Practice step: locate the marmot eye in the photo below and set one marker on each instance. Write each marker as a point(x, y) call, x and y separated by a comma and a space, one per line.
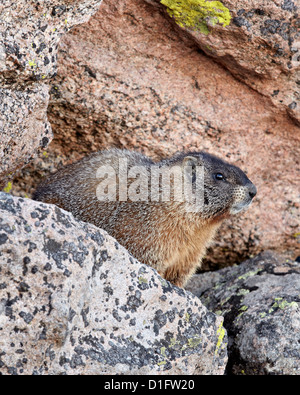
point(219, 176)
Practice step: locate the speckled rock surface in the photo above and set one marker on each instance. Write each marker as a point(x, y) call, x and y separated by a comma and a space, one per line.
point(260, 302)
point(29, 35)
point(132, 79)
point(73, 301)
point(24, 127)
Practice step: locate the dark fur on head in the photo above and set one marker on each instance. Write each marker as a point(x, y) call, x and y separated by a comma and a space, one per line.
point(227, 189)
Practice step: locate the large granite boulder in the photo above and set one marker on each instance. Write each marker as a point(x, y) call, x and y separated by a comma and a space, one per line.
point(73, 301)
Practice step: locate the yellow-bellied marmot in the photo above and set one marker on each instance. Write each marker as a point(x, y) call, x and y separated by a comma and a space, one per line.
point(164, 213)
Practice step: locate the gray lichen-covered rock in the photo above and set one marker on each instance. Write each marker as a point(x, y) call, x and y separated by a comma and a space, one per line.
point(260, 302)
point(30, 32)
point(29, 35)
point(73, 301)
point(24, 127)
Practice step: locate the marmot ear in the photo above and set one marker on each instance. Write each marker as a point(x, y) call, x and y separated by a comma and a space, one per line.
point(190, 162)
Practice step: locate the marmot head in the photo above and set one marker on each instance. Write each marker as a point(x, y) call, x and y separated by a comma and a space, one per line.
point(224, 187)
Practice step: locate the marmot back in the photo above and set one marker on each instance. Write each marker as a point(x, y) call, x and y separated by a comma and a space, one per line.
point(165, 213)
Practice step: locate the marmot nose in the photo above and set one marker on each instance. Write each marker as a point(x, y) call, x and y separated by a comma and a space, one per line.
point(252, 191)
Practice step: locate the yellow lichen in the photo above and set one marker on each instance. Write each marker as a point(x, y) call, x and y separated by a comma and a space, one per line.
point(8, 187)
point(282, 304)
point(174, 342)
point(221, 334)
point(143, 280)
point(187, 317)
point(163, 351)
point(193, 342)
point(32, 63)
point(197, 14)
point(249, 274)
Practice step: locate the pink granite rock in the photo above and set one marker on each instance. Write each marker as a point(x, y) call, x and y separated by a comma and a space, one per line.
point(260, 47)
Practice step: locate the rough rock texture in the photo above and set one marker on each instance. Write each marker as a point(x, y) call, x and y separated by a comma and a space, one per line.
point(29, 35)
point(73, 301)
point(24, 127)
point(132, 78)
point(260, 302)
point(266, 51)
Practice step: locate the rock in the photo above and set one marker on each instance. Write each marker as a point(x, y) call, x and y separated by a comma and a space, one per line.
point(73, 301)
point(29, 35)
point(24, 126)
point(132, 78)
point(266, 50)
point(260, 302)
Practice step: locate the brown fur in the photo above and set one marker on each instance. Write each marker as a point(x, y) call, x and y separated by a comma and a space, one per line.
point(162, 234)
